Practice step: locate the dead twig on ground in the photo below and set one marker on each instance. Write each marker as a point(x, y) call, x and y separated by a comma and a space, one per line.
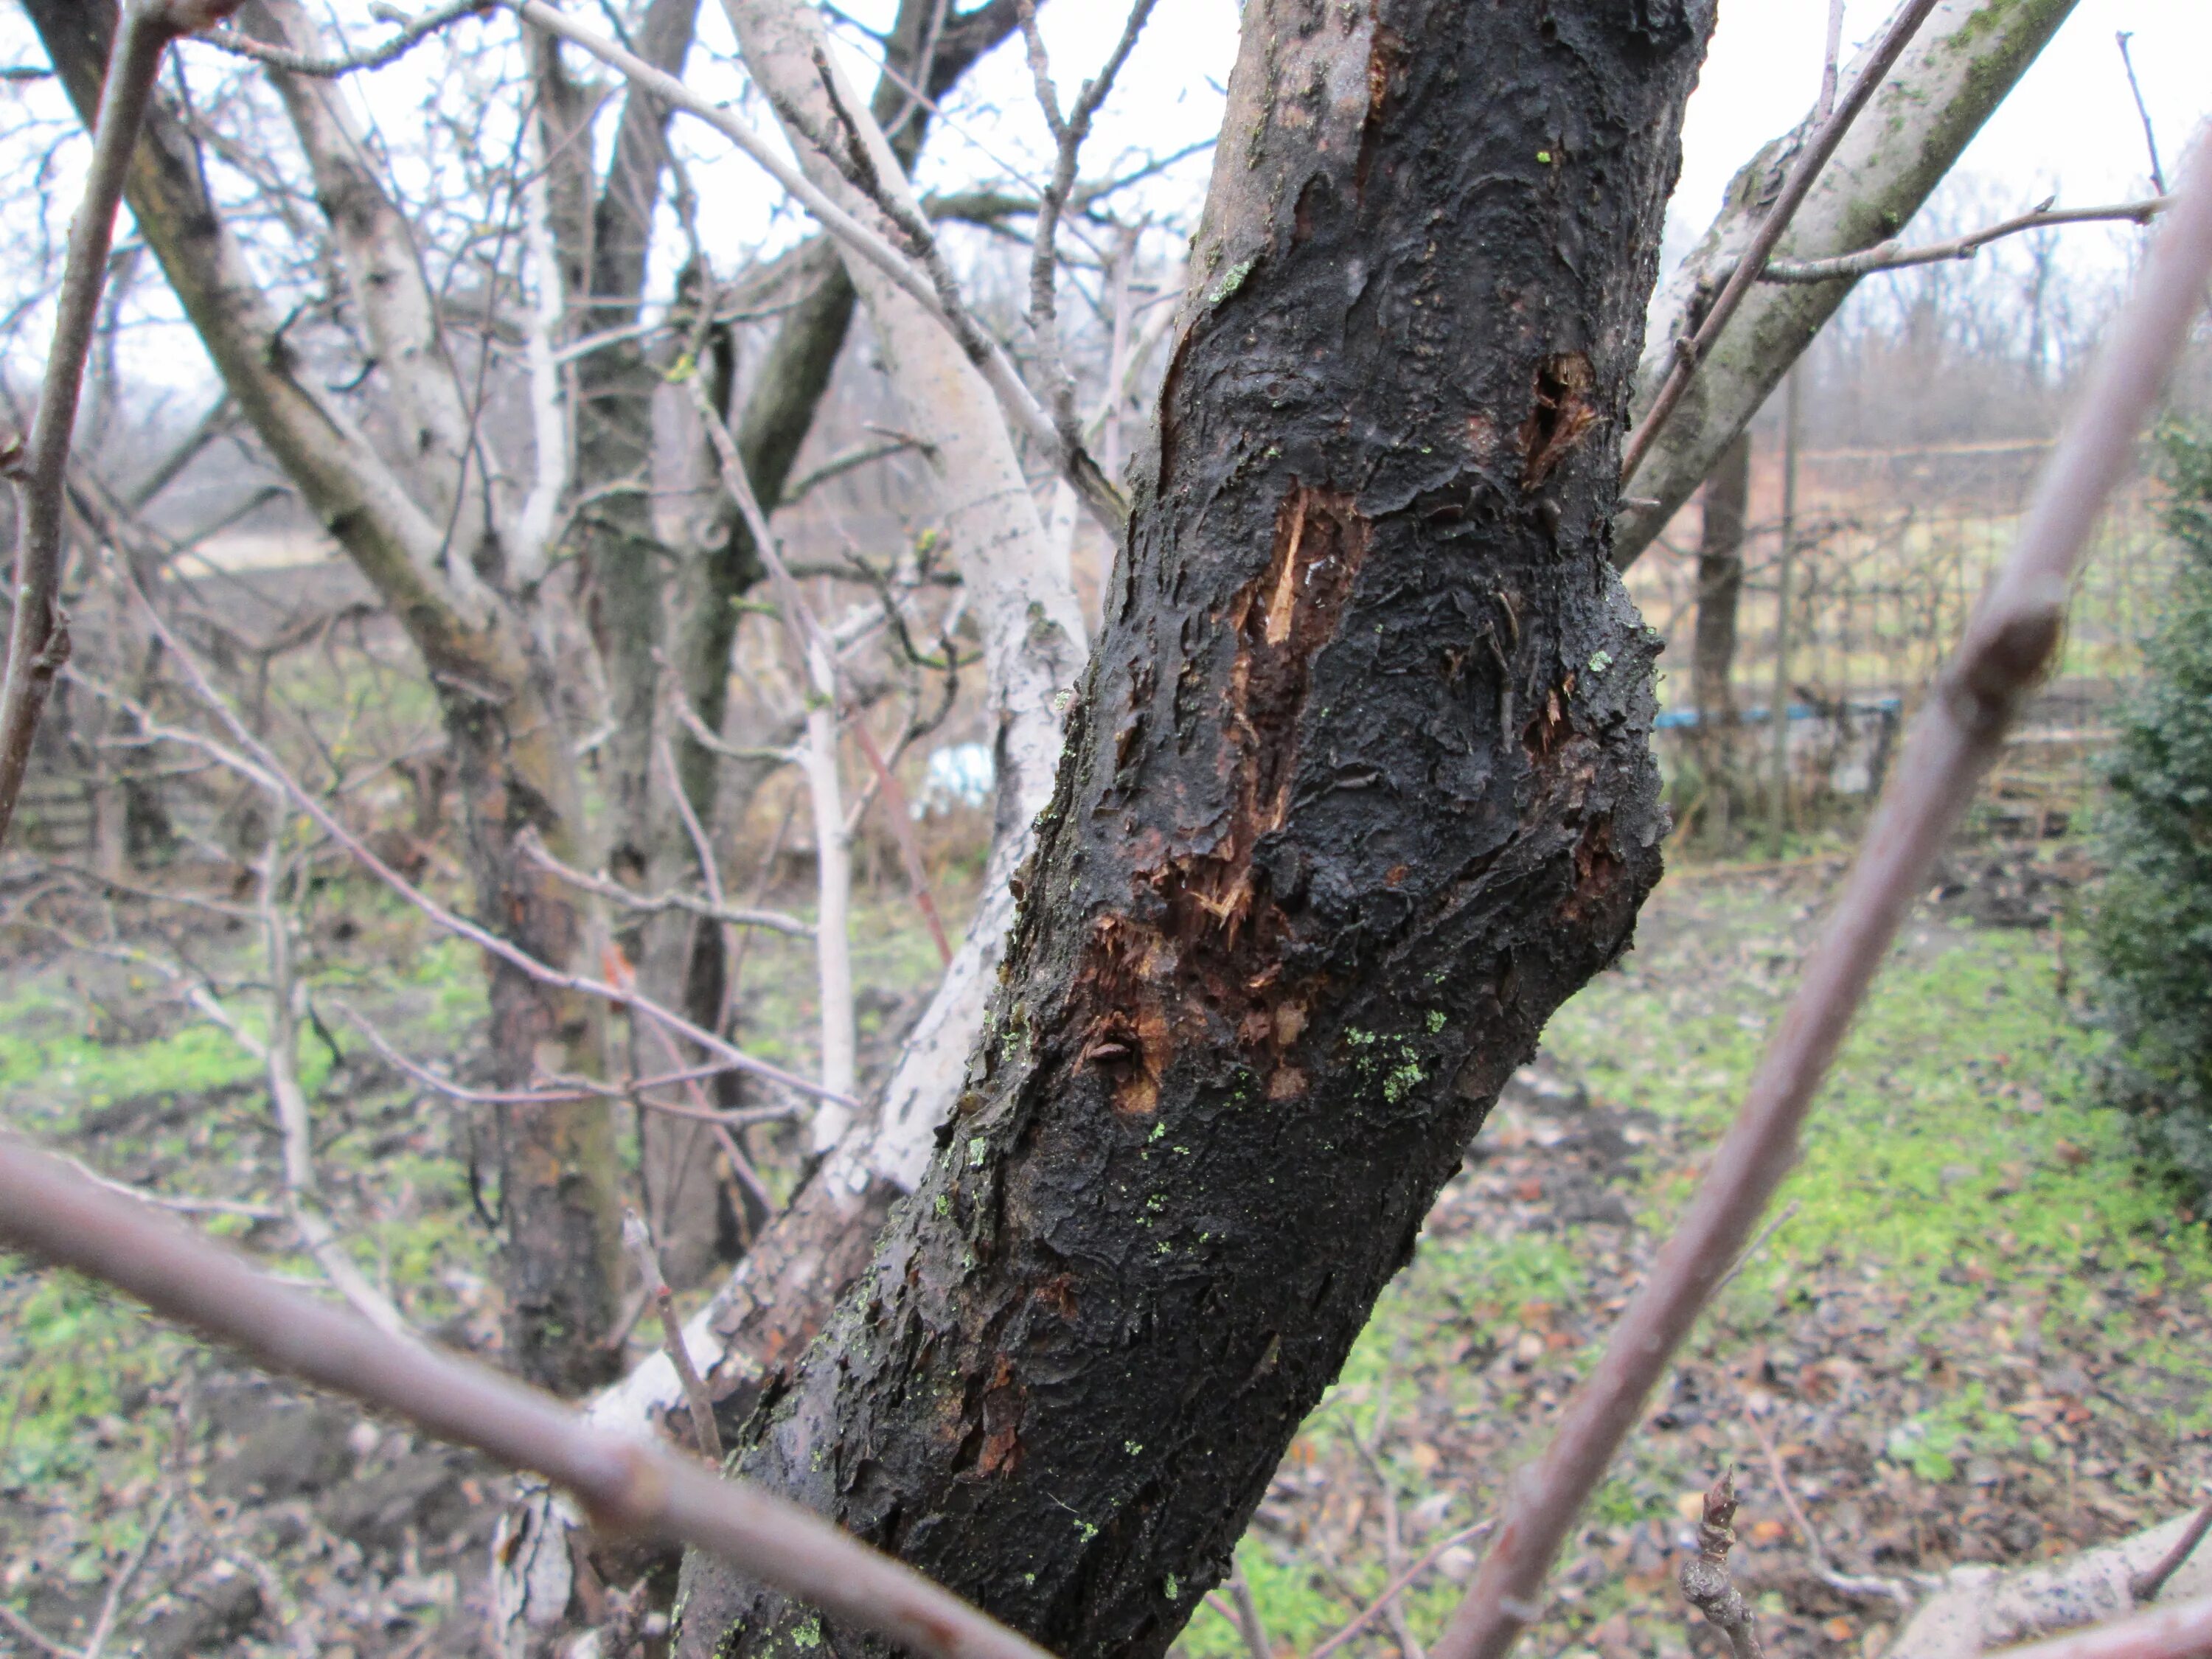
point(1858, 1585)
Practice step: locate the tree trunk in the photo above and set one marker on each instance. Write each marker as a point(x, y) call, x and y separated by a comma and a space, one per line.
point(1358, 789)
point(1966, 58)
point(555, 1164)
point(777, 415)
point(1712, 656)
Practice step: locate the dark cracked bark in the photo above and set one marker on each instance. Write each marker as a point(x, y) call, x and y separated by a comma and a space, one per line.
point(1358, 790)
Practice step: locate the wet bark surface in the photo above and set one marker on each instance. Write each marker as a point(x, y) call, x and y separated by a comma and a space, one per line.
point(1358, 789)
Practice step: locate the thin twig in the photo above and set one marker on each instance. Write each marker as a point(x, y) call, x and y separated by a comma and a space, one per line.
point(1826, 135)
point(181, 1206)
point(1068, 135)
point(2145, 1586)
point(1705, 1582)
point(569, 1089)
point(707, 908)
point(925, 278)
point(1773, 1225)
point(1421, 1564)
point(37, 640)
point(1894, 255)
point(1959, 730)
point(848, 461)
point(1370, 1448)
point(31, 1633)
point(373, 58)
point(637, 1239)
point(2143, 112)
point(1247, 1612)
point(111, 1605)
point(901, 826)
point(624, 1485)
point(1829, 58)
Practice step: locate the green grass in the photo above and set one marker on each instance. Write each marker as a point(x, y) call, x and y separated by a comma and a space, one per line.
point(1956, 1150)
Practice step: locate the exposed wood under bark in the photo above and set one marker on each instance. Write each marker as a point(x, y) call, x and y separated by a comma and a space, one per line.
point(1358, 789)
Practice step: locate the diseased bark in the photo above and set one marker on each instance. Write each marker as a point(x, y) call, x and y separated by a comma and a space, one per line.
point(1966, 58)
point(557, 1163)
point(1358, 789)
point(1712, 653)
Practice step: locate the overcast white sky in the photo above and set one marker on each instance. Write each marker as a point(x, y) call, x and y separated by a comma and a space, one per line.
point(2071, 127)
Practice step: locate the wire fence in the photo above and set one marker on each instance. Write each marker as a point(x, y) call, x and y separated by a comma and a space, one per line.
point(1890, 551)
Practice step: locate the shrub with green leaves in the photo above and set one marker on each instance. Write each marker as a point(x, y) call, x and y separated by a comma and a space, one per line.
point(2153, 926)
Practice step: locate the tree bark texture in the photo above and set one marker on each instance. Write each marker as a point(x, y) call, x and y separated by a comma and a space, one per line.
point(1965, 60)
point(1357, 788)
point(1720, 584)
point(1720, 592)
point(556, 1163)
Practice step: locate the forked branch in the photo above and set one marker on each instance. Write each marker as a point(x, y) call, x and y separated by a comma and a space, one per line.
point(2008, 643)
point(1068, 132)
point(1894, 255)
point(387, 51)
point(924, 278)
point(1826, 135)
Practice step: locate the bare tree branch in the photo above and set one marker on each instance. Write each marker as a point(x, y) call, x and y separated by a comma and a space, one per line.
point(637, 1239)
point(2181, 1633)
point(2142, 110)
point(47, 1209)
point(2145, 1586)
point(258, 762)
point(38, 642)
point(1068, 133)
point(707, 908)
point(372, 57)
point(1828, 59)
point(2006, 645)
point(1894, 255)
point(929, 283)
point(1705, 1582)
point(1826, 137)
